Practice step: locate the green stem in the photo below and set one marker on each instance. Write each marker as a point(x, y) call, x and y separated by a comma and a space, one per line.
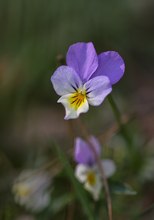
point(122, 127)
point(115, 109)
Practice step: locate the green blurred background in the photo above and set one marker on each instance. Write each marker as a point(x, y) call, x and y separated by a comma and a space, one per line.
point(33, 35)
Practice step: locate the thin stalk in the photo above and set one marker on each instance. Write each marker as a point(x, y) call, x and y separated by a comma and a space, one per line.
point(100, 166)
point(70, 210)
point(119, 120)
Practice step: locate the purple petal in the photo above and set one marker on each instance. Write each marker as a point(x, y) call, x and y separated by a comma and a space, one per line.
point(65, 80)
point(83, 59)
point(110, 64)
point(83, 152)
point(97, 89)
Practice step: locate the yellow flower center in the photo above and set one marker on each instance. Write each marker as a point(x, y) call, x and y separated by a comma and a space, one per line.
point(77, 99)
point(91, 178)
point(22, 190)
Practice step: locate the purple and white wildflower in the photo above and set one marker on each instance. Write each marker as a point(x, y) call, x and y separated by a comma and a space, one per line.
point(87, 78)
point(31, 190)
point(87, 171)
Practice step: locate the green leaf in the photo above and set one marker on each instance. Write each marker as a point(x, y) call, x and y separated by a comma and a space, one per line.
point(60, 202)
point(122, 188)
point(79, 190)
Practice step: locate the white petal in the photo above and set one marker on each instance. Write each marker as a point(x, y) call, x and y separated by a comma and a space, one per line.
point(109, 167)
point(38, 202)
point(81, 172)
point(94, 189)
point(83, 109)
point(71, 112)
point(31, 189)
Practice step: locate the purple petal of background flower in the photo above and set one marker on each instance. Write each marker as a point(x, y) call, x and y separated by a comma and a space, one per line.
point(97, 89)
point(65, 80)
point(83, 152)
point(110, 64)
point(83, 59)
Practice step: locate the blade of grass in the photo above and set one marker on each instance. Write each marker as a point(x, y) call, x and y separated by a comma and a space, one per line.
point(80, 193)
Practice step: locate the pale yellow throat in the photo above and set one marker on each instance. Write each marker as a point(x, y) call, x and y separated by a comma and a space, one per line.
point(91, 178)
point(22, 190)
point(77, 99)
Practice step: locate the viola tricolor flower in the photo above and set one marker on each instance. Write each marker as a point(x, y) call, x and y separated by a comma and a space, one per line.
point(87, 78)
point(31, 190)
point(87, 171)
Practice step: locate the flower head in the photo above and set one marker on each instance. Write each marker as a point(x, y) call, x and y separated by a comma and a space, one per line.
point(87, 78)
point(87, 171)
point(31, 190)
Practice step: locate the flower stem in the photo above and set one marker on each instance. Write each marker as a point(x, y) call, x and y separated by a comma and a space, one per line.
point(100, 166)
point(119, 120)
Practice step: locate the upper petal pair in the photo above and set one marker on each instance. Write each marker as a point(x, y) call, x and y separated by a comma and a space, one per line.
point(83, 152)
point(83, 59)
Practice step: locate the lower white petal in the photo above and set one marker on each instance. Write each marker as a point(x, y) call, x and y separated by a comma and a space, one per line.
point(81, 172)
point(94, 189)
point(71, 111)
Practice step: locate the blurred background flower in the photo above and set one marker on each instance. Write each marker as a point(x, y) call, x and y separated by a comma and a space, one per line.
point(31, 189)
point(87, 170)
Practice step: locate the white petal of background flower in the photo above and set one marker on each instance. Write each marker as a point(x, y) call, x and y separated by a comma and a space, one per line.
point(31, 190)
point(81, 172)
point(96, 188)
point(109, 167)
